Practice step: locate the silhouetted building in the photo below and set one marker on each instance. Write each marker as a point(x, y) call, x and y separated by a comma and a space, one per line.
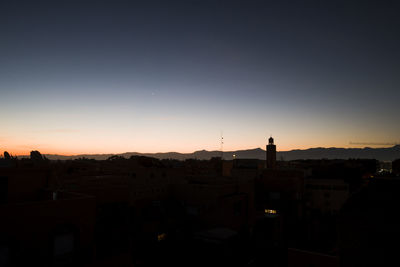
point(271, 154)
point(396, 167)
point(354, 172)
point(22, 184)
point(219, 202)
point(218, 246)
point(52, 229)
point(148, 212)
point(369, 230)
point(280, 189)
point(325, 195)
point(279, 194)
point(303, 258)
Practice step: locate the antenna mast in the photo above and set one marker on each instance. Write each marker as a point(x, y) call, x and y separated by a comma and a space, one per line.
point(222, 145)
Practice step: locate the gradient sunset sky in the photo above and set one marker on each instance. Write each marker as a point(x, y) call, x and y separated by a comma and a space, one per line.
point(156, 76)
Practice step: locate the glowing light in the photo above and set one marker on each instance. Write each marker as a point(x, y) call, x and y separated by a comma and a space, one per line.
point(269, 211)
point(161, 237)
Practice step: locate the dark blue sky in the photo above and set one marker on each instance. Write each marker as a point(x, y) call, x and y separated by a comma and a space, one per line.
point(170, 75)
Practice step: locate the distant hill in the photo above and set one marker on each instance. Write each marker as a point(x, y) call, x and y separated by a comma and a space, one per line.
point(384, 154)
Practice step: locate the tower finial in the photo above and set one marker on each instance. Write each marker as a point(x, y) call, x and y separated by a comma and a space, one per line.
point(271, 140)
point(222, 145)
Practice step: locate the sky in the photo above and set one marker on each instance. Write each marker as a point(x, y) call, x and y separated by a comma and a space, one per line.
point(157, 76)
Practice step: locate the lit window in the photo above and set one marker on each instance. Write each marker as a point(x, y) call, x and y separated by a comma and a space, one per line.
point(269, 211)
point(161, 237)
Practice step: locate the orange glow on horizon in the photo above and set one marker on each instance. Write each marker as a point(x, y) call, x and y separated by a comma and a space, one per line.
point(67, 144)
point(77, 151)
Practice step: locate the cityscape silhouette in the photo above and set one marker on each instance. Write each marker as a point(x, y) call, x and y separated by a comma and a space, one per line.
point(199, 133)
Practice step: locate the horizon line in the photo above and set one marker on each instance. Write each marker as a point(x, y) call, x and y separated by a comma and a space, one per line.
point(230, 151)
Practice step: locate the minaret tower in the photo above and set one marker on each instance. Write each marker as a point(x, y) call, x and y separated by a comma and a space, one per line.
point(271, 154)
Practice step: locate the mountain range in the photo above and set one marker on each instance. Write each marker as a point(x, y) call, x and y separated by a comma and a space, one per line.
point(383, 154)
